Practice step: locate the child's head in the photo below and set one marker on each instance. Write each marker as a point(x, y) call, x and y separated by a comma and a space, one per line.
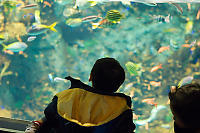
point(185, 105)
point(107, 75)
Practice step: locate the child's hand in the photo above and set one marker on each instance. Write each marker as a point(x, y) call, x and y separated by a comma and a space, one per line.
point(33, 127)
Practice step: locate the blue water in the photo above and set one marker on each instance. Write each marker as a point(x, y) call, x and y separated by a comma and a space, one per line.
point(25, 87)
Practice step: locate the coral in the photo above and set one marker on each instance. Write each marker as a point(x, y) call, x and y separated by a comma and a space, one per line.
point(6, 64)
point(5, 113)
point(15, 29)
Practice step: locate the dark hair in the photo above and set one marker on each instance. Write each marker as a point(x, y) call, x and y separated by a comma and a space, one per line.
point(107, 74)
point(185, 103)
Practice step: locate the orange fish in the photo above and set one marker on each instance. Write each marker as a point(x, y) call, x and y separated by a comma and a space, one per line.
point(190, 45)
point(149, 87)
point(192, 48)
point(131, 94)
point(98, 25)
point(150, 101)
point(162, 49)
point(155, 68)
point(21, 52)
point(154, 83)
point(186, 45)
point(198, 14)
point(103, 23)
point(8, 52)
point(46, 4)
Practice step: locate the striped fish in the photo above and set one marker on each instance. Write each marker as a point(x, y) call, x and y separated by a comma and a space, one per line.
point(133, 68)
point(114, 16)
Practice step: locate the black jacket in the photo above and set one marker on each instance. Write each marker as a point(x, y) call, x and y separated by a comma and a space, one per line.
point(81, 109)
point(177, 129)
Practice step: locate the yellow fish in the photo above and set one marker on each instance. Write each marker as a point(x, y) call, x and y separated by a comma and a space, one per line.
point(92, 3)
point(37, 16)
point(39, 1)
point(170, 30)
point(188, 27)
point(40, 28)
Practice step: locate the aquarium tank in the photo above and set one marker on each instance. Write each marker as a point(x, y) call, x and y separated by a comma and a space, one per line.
point(43, 41)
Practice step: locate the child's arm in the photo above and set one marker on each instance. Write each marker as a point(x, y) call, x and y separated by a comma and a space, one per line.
point(35, 125)
point(47, 122)
point(41, 121)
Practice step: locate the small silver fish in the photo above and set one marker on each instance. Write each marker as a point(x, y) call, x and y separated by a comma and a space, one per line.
point(31, 38)
point(50, 77)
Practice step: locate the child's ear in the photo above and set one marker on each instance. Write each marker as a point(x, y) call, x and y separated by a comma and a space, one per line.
point(90, 78)
point(173, 89)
